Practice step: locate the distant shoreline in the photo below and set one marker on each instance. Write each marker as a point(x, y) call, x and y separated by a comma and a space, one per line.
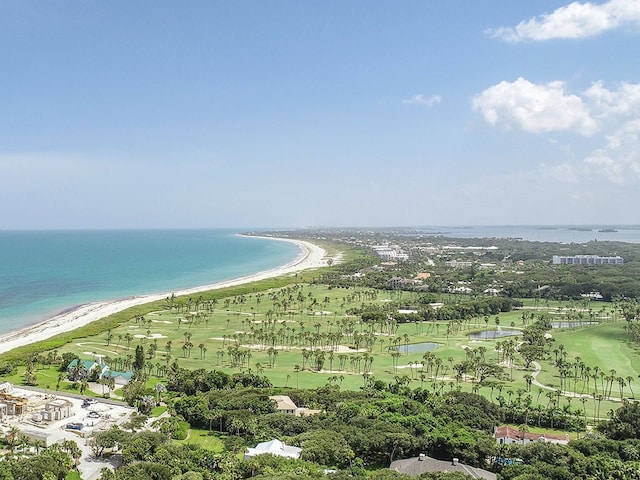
point(311, 256)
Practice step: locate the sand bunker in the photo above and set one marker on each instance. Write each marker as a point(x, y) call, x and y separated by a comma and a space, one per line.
point(152, 336)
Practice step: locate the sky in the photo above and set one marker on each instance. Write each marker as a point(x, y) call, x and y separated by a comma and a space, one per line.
point(336, 113)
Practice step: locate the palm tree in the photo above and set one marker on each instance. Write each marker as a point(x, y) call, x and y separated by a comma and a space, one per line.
point(12, 437)
point(159, 389)
point(296, 368)
point(524, 428)
point(621, 385)
point(73, 450)
point(61, 377)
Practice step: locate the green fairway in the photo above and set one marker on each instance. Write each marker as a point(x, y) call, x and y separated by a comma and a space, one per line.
point(306, 335)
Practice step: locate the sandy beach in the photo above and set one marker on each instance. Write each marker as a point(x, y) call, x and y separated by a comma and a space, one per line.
point(311, 256)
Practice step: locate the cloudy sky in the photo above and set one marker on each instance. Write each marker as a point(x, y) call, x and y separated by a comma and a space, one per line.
point(287, 113)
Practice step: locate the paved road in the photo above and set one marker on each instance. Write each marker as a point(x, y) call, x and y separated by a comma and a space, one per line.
point(565, 393)
point(110, 401)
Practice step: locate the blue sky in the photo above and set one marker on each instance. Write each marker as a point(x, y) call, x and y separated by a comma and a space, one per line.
point(146, 114)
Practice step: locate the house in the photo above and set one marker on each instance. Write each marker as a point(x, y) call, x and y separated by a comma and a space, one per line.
point(120, 378)
point(12, 404)
point(285, 405)
point(273, 447)
point(78, 369)
point(416, 466)
point(505, 434)
point(57, 410)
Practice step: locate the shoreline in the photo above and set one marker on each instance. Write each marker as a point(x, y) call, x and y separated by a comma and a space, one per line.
point(311, 256)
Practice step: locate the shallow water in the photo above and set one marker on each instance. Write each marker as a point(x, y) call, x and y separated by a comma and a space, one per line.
point(418, 347)
point(572, 324)
point(499, 333)
point(45, 273)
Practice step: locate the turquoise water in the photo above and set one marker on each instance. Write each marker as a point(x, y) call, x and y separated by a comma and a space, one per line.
point(45, 273)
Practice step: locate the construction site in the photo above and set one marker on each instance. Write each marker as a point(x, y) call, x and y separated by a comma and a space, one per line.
point(49, 418)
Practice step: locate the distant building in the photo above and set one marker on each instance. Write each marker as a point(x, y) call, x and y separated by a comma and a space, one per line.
point(492, 291)
point(592, 296)
point(388, 253)
point(586, 260)
point(457, 264)
point(464, 290)
point(273, 447)
point(416, 466)
point(506, 435)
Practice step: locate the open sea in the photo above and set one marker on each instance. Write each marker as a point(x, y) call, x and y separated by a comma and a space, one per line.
point(43, 273)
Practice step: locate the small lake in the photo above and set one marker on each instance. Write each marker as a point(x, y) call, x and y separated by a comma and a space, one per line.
point(572, 324)
point(418, 347)
point(490, 334)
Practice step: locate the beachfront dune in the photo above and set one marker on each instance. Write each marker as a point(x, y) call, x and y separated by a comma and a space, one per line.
point(311, 256)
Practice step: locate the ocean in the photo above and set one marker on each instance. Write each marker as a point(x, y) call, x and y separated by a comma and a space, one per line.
point(43, 273)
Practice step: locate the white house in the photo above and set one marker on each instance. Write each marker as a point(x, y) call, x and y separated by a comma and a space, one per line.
point(273, 447)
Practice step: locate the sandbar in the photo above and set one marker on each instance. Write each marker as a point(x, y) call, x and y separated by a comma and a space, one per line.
point(311, 256)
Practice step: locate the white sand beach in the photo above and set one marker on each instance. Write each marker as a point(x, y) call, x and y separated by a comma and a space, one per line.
point(311, 256)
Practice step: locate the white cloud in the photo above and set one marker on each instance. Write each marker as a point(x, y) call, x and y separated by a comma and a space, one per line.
point(563, 173)
point(534, 108)
point(623, 101)
point(612, 113)
point(423, 101)
point(619, 159)
point(576, 20)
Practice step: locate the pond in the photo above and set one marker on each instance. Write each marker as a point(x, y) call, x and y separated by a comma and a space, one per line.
point(418, 347)
point(572, 324)
point(490, 334)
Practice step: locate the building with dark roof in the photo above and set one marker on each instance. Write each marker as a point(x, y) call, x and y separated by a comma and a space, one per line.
point(422, 464)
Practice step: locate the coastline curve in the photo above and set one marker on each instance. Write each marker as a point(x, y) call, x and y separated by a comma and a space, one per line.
point(311, 256)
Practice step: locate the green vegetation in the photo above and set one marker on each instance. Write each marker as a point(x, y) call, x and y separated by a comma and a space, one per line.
point(205, 439)
point(398, 367)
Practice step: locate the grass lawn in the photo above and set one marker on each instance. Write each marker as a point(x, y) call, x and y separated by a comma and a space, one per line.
point(280, 332)
point(157, 411)
point(205, 439)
